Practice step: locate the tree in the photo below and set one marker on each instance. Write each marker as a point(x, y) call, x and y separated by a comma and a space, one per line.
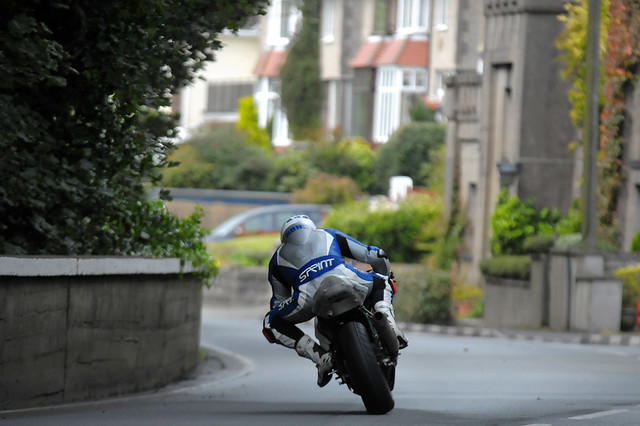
point(248, 123)
point(81, 84)
point(352, 158)
point(409, 152)
point(301, 91)
point(219, 157)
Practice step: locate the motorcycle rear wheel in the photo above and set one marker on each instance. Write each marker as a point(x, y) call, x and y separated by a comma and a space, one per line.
point(368, 379)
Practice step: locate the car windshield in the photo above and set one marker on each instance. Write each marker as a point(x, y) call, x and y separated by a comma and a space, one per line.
point(264, 220)
point(228, 226)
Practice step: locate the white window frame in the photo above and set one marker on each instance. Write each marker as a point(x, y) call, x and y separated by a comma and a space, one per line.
point(417, 78)
point(413, 16)
point(391, 83)
point(274, 22)
point(386, 117)
point(332, 99)
point(441, 15)
point(327, 23)
point(268, 104)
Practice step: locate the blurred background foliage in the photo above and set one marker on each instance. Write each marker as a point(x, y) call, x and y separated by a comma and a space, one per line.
point(224, 156)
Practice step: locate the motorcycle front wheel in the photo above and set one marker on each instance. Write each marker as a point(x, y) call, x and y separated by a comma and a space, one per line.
point(368, 379)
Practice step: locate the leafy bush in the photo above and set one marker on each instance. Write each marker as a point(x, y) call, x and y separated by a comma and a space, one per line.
point(422, 113)
point(230, 162)
point(630, 285)
point(572, 222)
point(568, 241)
point(464, 291)
point(248, 123)
point(516, 267)
point(635, 243)
point(80, 89)
point(151, 230)
point(424, 295)
point(407, 233)
point(327, 189)
point(187, 170)
point(514, 221)
point(408, 153)
point(290, 171)
point(346, 157)
point(539, 243)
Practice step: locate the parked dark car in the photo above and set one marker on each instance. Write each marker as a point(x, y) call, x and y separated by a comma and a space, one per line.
point(265, 220)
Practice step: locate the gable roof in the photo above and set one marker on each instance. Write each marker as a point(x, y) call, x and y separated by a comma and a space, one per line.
point(401, 52)
point(270, 62)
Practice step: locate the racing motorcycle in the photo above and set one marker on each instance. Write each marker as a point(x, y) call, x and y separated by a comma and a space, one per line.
point(365, 349)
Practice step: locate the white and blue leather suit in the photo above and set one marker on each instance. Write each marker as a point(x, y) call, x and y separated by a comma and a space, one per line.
point(306, 256)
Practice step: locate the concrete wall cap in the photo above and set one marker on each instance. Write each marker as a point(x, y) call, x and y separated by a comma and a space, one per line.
point(49, 266)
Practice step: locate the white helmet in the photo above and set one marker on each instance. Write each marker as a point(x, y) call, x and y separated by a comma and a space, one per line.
point(296, 229)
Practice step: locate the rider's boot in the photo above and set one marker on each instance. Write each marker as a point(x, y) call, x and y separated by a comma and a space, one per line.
point(308, 348)
point(387, 308)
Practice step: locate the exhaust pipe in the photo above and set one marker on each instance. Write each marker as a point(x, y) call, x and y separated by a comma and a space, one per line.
point(386, 333)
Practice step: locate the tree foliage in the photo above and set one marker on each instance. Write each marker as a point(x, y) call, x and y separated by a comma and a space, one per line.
point(219, 157)
point(515, 220)
point(409, 152)
point(351, 157)
point(408, 233)
point(301, 91)
point(572, 43)
point(620, 65)
point(327, 189)
point(248, 123)
point(81, 84)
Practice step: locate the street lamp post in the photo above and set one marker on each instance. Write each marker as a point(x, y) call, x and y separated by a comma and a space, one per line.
point(589, 209)
point(508, 172)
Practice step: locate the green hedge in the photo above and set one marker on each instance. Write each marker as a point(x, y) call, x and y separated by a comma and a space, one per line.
point(424, 295)
point(539, 243)
point(516, 267)
point(408, 233)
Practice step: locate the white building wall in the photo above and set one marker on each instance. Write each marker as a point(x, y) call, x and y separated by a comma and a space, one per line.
point(234, 62)
point(442, 46)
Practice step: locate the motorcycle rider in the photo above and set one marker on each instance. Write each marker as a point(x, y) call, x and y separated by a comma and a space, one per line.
point(305, 257)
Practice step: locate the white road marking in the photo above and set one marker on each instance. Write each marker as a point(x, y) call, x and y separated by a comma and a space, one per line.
point(598, 414)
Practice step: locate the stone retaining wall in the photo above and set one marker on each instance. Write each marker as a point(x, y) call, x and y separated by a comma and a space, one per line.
point(74, 329)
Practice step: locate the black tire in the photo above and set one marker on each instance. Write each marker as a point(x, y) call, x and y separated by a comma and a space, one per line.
point(367, 378)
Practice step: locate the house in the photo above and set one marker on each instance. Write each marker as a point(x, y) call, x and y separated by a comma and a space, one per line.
point(509, 127)
point(489, 66)
point(378, 59)
point(214, 97)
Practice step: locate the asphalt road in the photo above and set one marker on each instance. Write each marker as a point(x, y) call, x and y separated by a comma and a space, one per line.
point(442, 380)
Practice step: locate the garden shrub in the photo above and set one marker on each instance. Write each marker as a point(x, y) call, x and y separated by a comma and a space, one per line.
point(635, 243)
point(422, 113)
point(516, 267)
point(248, 123)
point(424, 295)
point(290, 171)
point(232, 162)
point(514, 221)
point(630, 276)
point(352, 157)
point(407, 233)
point(568, 241)
point(327, 189)
point(539, 243)
point(409, 152)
